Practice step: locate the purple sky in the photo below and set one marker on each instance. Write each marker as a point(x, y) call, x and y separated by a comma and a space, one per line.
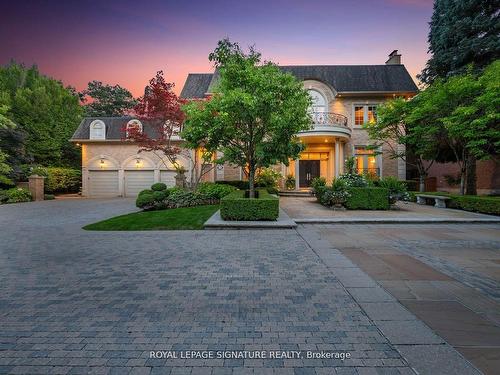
point(125, 42)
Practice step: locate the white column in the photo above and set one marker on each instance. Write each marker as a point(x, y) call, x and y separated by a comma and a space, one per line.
point(342, 157)
point(121, 182)
point(157, 175)
point(337, 159)
point(331, 166)
point(297, 187)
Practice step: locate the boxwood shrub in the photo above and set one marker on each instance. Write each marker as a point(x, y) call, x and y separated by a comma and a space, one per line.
point(367, 198)
point(235, 207)
point(485, 205)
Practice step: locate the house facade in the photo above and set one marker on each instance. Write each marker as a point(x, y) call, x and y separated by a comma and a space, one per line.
point(344, 97)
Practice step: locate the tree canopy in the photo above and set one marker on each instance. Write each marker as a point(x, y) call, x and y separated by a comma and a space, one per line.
point(46, 114)
point(461, 114)
point(254, 112)
point(107, 100)
point(462, 32)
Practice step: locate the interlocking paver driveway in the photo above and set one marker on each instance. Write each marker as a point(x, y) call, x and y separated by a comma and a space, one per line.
point(76, 302)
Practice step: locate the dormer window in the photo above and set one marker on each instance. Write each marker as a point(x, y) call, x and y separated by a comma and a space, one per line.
point(97, 130)
point(134, 126)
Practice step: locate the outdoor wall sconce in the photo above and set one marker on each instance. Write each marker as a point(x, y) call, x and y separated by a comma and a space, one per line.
point(137, 163)
point(102, 163)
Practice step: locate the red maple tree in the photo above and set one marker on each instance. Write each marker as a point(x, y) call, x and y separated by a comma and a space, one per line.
point(160, 110)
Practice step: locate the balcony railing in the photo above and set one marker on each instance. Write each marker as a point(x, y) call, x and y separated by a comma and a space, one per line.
point(328, 118)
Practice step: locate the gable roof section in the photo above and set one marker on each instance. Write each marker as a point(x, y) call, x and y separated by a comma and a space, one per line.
point(114, 126)
point(340, 78)
point(196, 85)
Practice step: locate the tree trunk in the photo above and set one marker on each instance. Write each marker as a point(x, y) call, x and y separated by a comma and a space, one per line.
point(421, 187)
point(251, 182)
point(471, 176)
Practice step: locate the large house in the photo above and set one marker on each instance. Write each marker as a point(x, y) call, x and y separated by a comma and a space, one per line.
point(344, 97)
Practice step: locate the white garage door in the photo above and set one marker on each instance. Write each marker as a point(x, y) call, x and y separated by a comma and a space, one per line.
point(103, 184)
point(168, 178)
point(135, 181)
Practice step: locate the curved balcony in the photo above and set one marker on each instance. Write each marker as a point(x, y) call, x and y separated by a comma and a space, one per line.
point(328, 124)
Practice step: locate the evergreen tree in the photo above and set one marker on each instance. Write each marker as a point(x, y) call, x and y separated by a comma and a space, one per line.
point(107, 100)
point(462, 32)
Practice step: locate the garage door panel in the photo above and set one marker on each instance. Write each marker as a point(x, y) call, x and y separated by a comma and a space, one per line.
point(103, 184)
point(168, 178)
point(135, 181)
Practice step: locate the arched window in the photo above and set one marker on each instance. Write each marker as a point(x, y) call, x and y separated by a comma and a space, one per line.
point(97, 130)
point(134, 125)
point(318, 101)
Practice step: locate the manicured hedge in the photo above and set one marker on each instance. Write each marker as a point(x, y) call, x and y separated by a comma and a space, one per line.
point(485, 205)
point(235, 207)
point(368, 198)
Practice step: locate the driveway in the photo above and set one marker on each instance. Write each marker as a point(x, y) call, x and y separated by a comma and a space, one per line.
point(73, 301)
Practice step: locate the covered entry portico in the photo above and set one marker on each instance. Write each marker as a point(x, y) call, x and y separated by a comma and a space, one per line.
point(323, 156)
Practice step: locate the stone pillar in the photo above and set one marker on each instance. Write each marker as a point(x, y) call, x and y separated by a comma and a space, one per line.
point(337, 159)
point(36, 185)
point(297, 186)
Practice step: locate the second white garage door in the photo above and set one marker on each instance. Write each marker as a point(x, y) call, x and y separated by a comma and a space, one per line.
point(135, 181)
point(103, 184)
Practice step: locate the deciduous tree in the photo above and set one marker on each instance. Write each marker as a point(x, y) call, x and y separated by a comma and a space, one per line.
point(253, 115)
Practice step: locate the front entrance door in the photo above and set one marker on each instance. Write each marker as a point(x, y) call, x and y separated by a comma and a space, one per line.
point(308, 169)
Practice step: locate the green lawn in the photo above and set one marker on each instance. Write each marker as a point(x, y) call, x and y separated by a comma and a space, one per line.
point(173, 219)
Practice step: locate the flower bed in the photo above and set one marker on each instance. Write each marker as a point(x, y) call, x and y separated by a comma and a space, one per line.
point(236, 207)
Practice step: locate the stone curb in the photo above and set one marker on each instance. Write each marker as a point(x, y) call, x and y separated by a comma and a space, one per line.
point(284, 222)
point(395, 221)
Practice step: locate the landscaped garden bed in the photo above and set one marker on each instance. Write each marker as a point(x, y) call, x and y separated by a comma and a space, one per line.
point(353, 191)
point(236, 207)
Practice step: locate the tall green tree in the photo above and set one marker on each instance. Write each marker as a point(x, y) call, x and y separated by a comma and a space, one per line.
point(398, 123)
point(5, 125)
point(253, 115)
point(107, 100)
point(45, 111)
point(462, 32)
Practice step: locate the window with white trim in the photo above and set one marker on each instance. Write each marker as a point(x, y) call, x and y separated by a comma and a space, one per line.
point(365, 114)
point(97, 130)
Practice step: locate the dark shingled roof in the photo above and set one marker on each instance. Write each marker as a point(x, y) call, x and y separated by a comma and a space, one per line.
point(114, 126)
point(356, 78)
point(340, 78)
point(196, 85)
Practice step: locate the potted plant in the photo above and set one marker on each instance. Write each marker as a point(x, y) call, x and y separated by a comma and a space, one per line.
point(290, 182)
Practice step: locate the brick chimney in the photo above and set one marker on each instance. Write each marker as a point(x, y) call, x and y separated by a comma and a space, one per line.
point(394, 58)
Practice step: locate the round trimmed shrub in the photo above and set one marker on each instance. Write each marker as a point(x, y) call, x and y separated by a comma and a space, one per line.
point(159, 195)
point(147, 191)
point(159, 186)
point(145, 201)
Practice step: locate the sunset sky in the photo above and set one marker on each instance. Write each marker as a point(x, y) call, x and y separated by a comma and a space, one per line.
point(125, 42)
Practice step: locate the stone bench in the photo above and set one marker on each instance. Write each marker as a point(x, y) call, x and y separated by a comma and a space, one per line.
point(439, 200)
